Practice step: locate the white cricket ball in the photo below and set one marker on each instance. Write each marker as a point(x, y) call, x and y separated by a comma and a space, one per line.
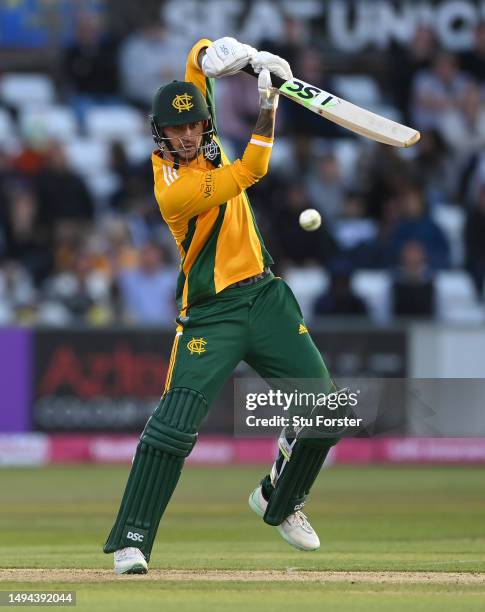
point(310, 220)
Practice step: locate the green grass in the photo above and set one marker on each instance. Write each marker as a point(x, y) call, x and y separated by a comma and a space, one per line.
point(374, 519)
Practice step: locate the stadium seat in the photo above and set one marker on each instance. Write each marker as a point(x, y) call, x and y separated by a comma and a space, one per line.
point(282, 156)
point(57, 122)
point(139, 149)
point(374, 287)
point(307, 284)
point(24, 90)
point(87, 156)
point(451, 220)
point(386, 110)
point(111, 123)
point(456, 297)
point(7, 126)
point(7, 314)
point(359, 89)
point(102, 185)
point(347, 152)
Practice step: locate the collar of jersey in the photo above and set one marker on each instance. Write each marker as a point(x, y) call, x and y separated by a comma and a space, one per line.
point(199, 162)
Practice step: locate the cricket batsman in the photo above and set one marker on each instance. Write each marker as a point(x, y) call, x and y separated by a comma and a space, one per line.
point(232, 307)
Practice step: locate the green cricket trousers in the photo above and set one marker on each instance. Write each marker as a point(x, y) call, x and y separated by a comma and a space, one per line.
point(261, 324)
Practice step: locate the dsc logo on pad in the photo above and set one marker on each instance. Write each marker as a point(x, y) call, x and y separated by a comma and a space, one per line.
point(136, 537)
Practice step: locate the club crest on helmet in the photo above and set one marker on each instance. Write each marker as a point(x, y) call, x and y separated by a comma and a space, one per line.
point(182, 102)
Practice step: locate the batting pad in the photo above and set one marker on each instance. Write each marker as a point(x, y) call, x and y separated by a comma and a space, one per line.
point(293, 474)
point(167, 439)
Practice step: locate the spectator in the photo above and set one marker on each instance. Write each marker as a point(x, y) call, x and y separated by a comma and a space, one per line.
point(130, 178)
point(82, 290)
point(377, 254)
point(148, 58)
point(291, 43)
point(29, 160)
point(62, 194)
point(300, 122)
point(463, 127)
point(68, 239)
point(295, 245)
point(326, 188)
point(239, 108)
point(147, 292)
point(120, 252)
point(352, 229)
point(381, 174)
point(405, 62)
point(339, 299)
point(475, 242)
point(413, 292)
point(435, 91)
point(91, 65)
point(26, 241)
point(435, 169)
point(17, 293)
point(416, 225)
point(473, 61)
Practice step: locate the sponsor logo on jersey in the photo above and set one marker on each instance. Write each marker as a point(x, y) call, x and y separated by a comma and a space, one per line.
point(208, 184)
point(302, 329)
point(182, 102)
point(197, 346)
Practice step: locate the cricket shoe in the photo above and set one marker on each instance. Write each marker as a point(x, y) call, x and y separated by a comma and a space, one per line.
point(295, 529)
point(130, 561)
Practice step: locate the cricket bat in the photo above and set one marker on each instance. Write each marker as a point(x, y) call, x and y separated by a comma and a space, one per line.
point(344, 113)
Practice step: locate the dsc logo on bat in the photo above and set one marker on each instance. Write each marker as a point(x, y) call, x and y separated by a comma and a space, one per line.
point(307, 92)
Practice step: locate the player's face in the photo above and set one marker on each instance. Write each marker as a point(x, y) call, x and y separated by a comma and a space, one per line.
point(186, 138)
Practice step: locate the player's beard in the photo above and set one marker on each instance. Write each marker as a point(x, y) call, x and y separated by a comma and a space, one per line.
point(186, 152)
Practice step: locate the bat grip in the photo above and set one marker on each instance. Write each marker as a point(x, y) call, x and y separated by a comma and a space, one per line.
point(275, 80)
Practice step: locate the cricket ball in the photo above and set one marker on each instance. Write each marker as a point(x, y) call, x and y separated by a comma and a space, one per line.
point(310, 220)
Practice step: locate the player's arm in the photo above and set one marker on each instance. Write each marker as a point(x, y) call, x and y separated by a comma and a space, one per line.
point(196, 192)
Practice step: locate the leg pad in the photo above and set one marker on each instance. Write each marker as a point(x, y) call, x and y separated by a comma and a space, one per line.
point(293, 474)
point(167, 439)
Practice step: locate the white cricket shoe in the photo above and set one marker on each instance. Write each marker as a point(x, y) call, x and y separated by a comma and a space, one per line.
point(130, 561)
point(295, 529)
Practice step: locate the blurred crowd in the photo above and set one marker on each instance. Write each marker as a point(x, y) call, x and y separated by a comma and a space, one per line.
point(71, 253)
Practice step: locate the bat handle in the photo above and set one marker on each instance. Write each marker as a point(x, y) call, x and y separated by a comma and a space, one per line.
point(275, 80)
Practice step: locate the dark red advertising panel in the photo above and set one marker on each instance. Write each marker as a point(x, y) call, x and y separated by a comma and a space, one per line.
point(111, 380)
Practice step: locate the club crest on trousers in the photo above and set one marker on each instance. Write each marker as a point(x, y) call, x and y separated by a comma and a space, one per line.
point(197, 346)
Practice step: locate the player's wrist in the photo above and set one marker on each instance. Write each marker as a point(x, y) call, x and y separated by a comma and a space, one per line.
point(268, 102)
point(265, 123)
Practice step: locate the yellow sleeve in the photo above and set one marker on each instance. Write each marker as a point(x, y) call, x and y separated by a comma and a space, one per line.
point(193, 72)
point(197, 191)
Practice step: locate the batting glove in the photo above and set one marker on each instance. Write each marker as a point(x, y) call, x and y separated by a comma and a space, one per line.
point(274, 63)
point(268, 95)
point(226, 56)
